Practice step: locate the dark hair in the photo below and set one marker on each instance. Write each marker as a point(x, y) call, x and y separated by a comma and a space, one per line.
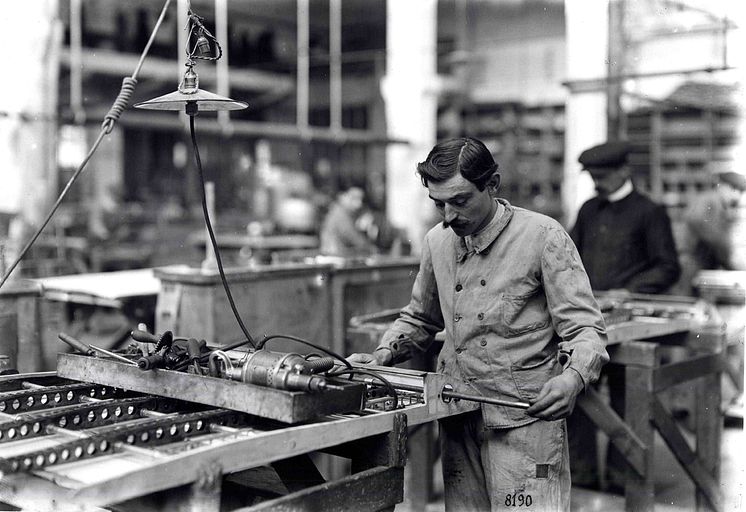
point(466, 155)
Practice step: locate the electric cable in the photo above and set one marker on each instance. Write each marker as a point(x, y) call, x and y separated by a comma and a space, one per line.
point(306, 342)
point(370, 373)
point(120, 103)
point(214, 242)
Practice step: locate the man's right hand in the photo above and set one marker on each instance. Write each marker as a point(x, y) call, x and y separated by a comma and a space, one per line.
point(377, 358)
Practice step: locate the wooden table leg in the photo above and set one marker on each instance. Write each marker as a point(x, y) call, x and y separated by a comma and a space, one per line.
point(709, 425)
point(639, 492)
point(418, 474)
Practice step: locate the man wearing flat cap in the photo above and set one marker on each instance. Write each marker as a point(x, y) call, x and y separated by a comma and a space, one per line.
point(626, 244)
point(623, 237)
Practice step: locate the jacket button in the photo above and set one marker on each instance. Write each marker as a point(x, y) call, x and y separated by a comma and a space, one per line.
point(459, 287)
point(480, 316)
point(483, 342)
point(483, 282)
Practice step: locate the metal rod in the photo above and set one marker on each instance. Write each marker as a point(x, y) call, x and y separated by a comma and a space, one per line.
point(483, 399)
point(148, 413)
point(124, 447)
point(214, 427)
point(31, 385)
point(78, 434)
point(112, 354)
point(91, 400)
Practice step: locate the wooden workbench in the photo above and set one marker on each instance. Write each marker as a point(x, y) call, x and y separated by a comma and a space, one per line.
point(314, 301)
point(654, 326)
point(69, 302)
point(701, 336)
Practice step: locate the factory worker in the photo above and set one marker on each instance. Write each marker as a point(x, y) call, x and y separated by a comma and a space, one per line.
point(623, 237)
point(626, 244)
point(339, 236)
point(715, 225)
point(509, 289)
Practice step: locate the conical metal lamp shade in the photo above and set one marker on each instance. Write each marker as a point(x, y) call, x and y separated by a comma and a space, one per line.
point(205, 102)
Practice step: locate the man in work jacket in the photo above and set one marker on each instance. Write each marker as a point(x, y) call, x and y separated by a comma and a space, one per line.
point(508, 287)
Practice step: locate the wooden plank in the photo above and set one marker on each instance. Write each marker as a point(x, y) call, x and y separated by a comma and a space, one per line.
point(371, 490)
point(635, 353)
point(387, 449)
point(620, 434)
point(29, 336)
point(639, 491)
point(418, 473)
point(286, 406)
point(708, 428)
point(695, 469)
point(675, 373)
point(646, 327)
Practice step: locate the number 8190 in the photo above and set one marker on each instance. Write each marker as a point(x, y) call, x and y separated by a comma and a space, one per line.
point(518, 500)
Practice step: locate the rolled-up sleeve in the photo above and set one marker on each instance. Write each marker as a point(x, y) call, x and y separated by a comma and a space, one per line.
point(575, 314)
point(420, 320)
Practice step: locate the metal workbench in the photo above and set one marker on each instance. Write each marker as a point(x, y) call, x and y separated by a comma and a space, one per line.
point(68, 445)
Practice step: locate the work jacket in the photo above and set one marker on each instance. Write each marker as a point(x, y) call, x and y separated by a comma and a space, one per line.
point(627, 244)
point(508, 307)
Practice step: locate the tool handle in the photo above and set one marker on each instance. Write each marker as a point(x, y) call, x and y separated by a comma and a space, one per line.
point(449, 395)
point(76, 344)
point(150, 362)
point(143, 336)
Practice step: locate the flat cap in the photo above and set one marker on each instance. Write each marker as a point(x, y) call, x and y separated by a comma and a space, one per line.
point(609, 154)
point(734, 179)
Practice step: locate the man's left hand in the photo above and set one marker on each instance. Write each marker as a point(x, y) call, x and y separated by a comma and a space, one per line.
point(556, 399)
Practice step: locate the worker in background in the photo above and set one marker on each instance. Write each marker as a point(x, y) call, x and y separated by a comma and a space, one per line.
point(624, 238)
point(339, 235)
point(714, 225)
point(521, 324)
point(715, 239)
point(626, 244)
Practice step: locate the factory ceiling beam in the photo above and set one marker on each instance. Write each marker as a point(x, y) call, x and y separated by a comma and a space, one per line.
point(599, 84)
point(262, 129)
point(113, 63)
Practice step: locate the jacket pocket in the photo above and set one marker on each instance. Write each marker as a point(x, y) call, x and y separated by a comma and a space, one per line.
point(529, 379)
point(522, 314)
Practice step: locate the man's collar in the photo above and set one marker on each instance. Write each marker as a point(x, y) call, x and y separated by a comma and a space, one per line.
point(621, 192)
point(479, 242)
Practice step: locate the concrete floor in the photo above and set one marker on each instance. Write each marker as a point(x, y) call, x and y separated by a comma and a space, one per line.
point(673, 490)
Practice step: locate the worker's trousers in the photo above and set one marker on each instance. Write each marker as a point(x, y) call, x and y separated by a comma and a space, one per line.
point(504, 469)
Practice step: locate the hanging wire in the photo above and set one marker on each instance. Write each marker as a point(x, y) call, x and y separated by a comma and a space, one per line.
point(214, 242)
point(120, 103)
